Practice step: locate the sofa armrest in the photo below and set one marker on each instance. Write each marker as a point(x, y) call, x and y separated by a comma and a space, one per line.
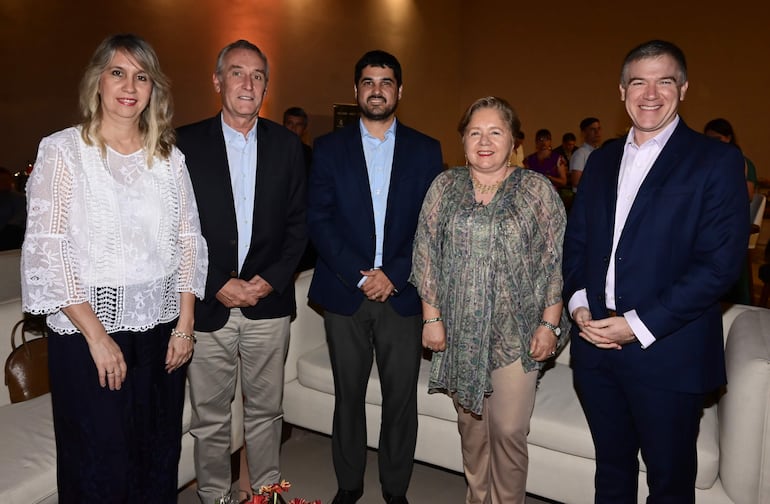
point(744, 411)
point(307, 329)
point(731, 312)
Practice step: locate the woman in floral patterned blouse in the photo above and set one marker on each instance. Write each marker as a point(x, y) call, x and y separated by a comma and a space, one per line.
point(487, 265)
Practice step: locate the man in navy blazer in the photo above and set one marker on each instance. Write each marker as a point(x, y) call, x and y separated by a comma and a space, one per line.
point(657, 234)
point(249, 178)
point(366, 189)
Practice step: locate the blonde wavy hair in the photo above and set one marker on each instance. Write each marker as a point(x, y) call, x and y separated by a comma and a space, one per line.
point(158, 135)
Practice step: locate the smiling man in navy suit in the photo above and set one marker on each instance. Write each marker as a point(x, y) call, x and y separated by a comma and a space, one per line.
point(365, 193)
point(657, 234)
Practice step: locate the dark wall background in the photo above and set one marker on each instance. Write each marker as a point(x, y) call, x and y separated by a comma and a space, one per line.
point(556, 62)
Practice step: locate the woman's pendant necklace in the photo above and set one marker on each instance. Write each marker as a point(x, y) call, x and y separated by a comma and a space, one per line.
point(485, 188)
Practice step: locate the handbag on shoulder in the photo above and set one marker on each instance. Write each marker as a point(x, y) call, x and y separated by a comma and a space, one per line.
point(26, 369)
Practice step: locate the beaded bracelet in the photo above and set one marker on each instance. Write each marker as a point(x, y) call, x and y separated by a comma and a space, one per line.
point(180, 334)
point(431, 320)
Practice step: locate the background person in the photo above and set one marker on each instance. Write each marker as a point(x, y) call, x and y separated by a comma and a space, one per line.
point(591, 130)
point(114, 255)
point(656, 236)
point(567, 147)
point(249, 179)
point(487, 265)
point(296, 120)
point(722, 130)
point(547, 162)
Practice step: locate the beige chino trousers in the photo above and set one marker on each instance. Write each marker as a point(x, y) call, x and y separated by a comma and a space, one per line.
point(494, 445)
point(259, 347)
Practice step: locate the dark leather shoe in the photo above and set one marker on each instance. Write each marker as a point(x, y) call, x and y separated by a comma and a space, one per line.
point(395, 499)
point(347, 496)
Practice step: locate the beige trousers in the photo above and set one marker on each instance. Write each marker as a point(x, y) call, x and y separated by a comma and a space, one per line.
point(259, 347)
point(494, 445)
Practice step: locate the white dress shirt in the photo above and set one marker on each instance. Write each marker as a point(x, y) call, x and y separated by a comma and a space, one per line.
point(379, 165)
point(242, 160)
point(634, 167)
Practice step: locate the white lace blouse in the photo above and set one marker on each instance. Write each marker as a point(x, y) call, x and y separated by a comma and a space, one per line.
point(111, 232)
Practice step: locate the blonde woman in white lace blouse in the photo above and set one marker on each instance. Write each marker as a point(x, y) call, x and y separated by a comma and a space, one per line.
point(113, 254)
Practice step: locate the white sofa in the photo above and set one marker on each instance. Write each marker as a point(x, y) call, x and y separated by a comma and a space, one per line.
point(27, 445)
point(733, 446)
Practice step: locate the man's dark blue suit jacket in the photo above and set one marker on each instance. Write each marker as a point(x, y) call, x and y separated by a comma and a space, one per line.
point(682, 247)
point(341, 217)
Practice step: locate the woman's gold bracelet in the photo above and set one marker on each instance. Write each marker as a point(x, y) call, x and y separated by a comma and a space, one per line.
point(183, 335)
point(431, 320)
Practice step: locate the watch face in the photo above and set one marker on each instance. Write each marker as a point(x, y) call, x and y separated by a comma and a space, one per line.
point(556, 329)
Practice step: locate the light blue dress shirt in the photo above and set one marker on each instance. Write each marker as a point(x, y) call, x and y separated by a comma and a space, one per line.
point(242, 159)
point(379, 165)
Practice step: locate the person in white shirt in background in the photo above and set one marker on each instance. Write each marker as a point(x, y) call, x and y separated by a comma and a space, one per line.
point(591, 129)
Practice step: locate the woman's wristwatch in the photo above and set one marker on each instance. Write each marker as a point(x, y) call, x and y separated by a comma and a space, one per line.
point(556, 330)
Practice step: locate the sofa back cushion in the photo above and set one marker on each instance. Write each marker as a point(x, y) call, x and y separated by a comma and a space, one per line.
point(744, 411)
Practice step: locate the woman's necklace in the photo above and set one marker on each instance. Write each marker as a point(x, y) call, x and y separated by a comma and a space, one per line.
point(487, 188)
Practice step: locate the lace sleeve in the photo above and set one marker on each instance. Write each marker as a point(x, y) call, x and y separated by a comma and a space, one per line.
point(193, 265)
point(425, 256)
point(49, 262)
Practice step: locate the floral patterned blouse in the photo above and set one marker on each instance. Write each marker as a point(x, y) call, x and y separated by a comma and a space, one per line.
point(111, 231)
point(491, 270)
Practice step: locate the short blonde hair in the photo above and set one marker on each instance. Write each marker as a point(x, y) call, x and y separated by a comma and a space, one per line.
point(155, 120)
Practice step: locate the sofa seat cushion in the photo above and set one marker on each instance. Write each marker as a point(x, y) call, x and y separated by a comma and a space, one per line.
point(314, 371)
point(558, 423)
point(28, 453)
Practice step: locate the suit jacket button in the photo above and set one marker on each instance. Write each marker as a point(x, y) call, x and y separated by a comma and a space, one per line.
point(233, 274)
point(605, 259)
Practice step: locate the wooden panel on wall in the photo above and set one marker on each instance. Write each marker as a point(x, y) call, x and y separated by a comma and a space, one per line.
point(556, 62)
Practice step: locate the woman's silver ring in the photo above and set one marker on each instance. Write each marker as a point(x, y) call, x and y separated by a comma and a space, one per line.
point(553, 353)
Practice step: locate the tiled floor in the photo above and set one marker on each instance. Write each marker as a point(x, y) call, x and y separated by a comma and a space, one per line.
point(306, 462)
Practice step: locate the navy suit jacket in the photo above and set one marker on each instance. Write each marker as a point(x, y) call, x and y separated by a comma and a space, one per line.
point(341, 216)
point(278, 234)
point(682, 247)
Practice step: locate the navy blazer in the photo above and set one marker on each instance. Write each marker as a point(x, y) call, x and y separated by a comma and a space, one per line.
point(341, 216)
point(279, 232)
point(683, 246)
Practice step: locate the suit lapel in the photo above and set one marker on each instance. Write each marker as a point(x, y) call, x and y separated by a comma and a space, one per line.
point(610, 197)
point(398, 169)
point(358, 173)
point(659, 173)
